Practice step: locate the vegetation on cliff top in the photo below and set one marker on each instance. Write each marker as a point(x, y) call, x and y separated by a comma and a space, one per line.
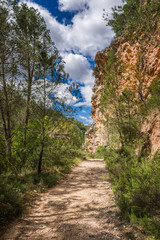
point(134, 19)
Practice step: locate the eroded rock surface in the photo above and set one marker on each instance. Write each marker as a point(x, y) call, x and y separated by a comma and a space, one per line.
point(140, 66)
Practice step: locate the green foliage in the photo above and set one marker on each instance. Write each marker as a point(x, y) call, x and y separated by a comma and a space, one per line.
point(81, 126)
point(125, 118)
point(39, 142)
point(134, 173)
point(60, 155)
point(153, 101)
point(3, 163)
point(11, 200)
point(135, 179)
point(128, 117)
point(123, 16)
point(136, 186)
point(100, 151)
point(110, 81)
point(14, 191)
point(96, 71)
point(134, 18)
point(88, 155)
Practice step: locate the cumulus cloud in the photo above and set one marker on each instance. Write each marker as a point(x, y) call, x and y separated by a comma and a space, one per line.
point(80, 71)
point(78, 68)
point(81, 39)
point(88, 32)
point(63, 94)
point(87, 94)
point(73, 5)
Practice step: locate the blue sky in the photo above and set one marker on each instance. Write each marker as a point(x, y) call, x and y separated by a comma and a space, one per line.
point(79, 32)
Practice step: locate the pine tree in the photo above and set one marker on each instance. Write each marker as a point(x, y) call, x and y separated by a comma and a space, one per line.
point(30, 29)
point(7, 71)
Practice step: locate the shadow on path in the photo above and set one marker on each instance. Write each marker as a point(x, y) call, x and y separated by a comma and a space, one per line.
point(81, 207)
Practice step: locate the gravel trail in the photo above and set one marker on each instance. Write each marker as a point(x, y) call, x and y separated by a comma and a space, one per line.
point(80, 207)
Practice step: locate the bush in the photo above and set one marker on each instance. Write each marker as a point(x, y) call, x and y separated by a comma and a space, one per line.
point(88, 155)
point(100, 151)
point(11, 199)
point(14, 190)
point(136, 185)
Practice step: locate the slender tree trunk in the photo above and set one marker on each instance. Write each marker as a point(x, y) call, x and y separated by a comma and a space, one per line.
point(27, 111)
point(42, 142)
point(43, 127)
point(7, 126)
point(41, 155)
point(30, 78)
point(40, 160)
point(3, 120)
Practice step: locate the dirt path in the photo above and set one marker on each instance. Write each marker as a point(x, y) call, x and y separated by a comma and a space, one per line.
point(81, 207)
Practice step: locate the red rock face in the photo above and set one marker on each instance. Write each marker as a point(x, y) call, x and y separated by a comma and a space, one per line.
point(141, 64)
point(151, 127)
point(96, 135)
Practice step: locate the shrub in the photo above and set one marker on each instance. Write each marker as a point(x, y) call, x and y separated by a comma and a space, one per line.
point(136, 185)
point(100, 151)
point(11, 199)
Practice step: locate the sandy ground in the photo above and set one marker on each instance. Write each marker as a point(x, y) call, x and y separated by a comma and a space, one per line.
point(80, 207)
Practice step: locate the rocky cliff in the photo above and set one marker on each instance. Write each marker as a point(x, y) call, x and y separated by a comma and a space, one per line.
point(96, 136)
point(141, 65)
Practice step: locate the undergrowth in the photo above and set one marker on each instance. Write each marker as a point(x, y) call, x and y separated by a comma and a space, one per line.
point(136, 185)
point(100, 150)
point(16, 191)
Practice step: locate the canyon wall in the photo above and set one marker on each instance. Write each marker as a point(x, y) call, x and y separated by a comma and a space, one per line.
point(141, 65)
point(96, 135)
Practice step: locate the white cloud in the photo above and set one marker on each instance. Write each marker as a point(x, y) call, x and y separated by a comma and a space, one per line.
point(88, 32)
point(87, 93)
point(60, 91)
point(38, 91)
point(67, 5)
point(63, 94)
point(89, 120)
point(83, 38)
point(83, 118)
point(78, 68)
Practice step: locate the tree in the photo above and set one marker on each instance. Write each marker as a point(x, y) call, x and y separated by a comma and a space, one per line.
point(110, 93)
point(7, 71)
point(31, 71)
point(133, 18)
point(51, 64)
point(30, 29)
point(118, 105)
